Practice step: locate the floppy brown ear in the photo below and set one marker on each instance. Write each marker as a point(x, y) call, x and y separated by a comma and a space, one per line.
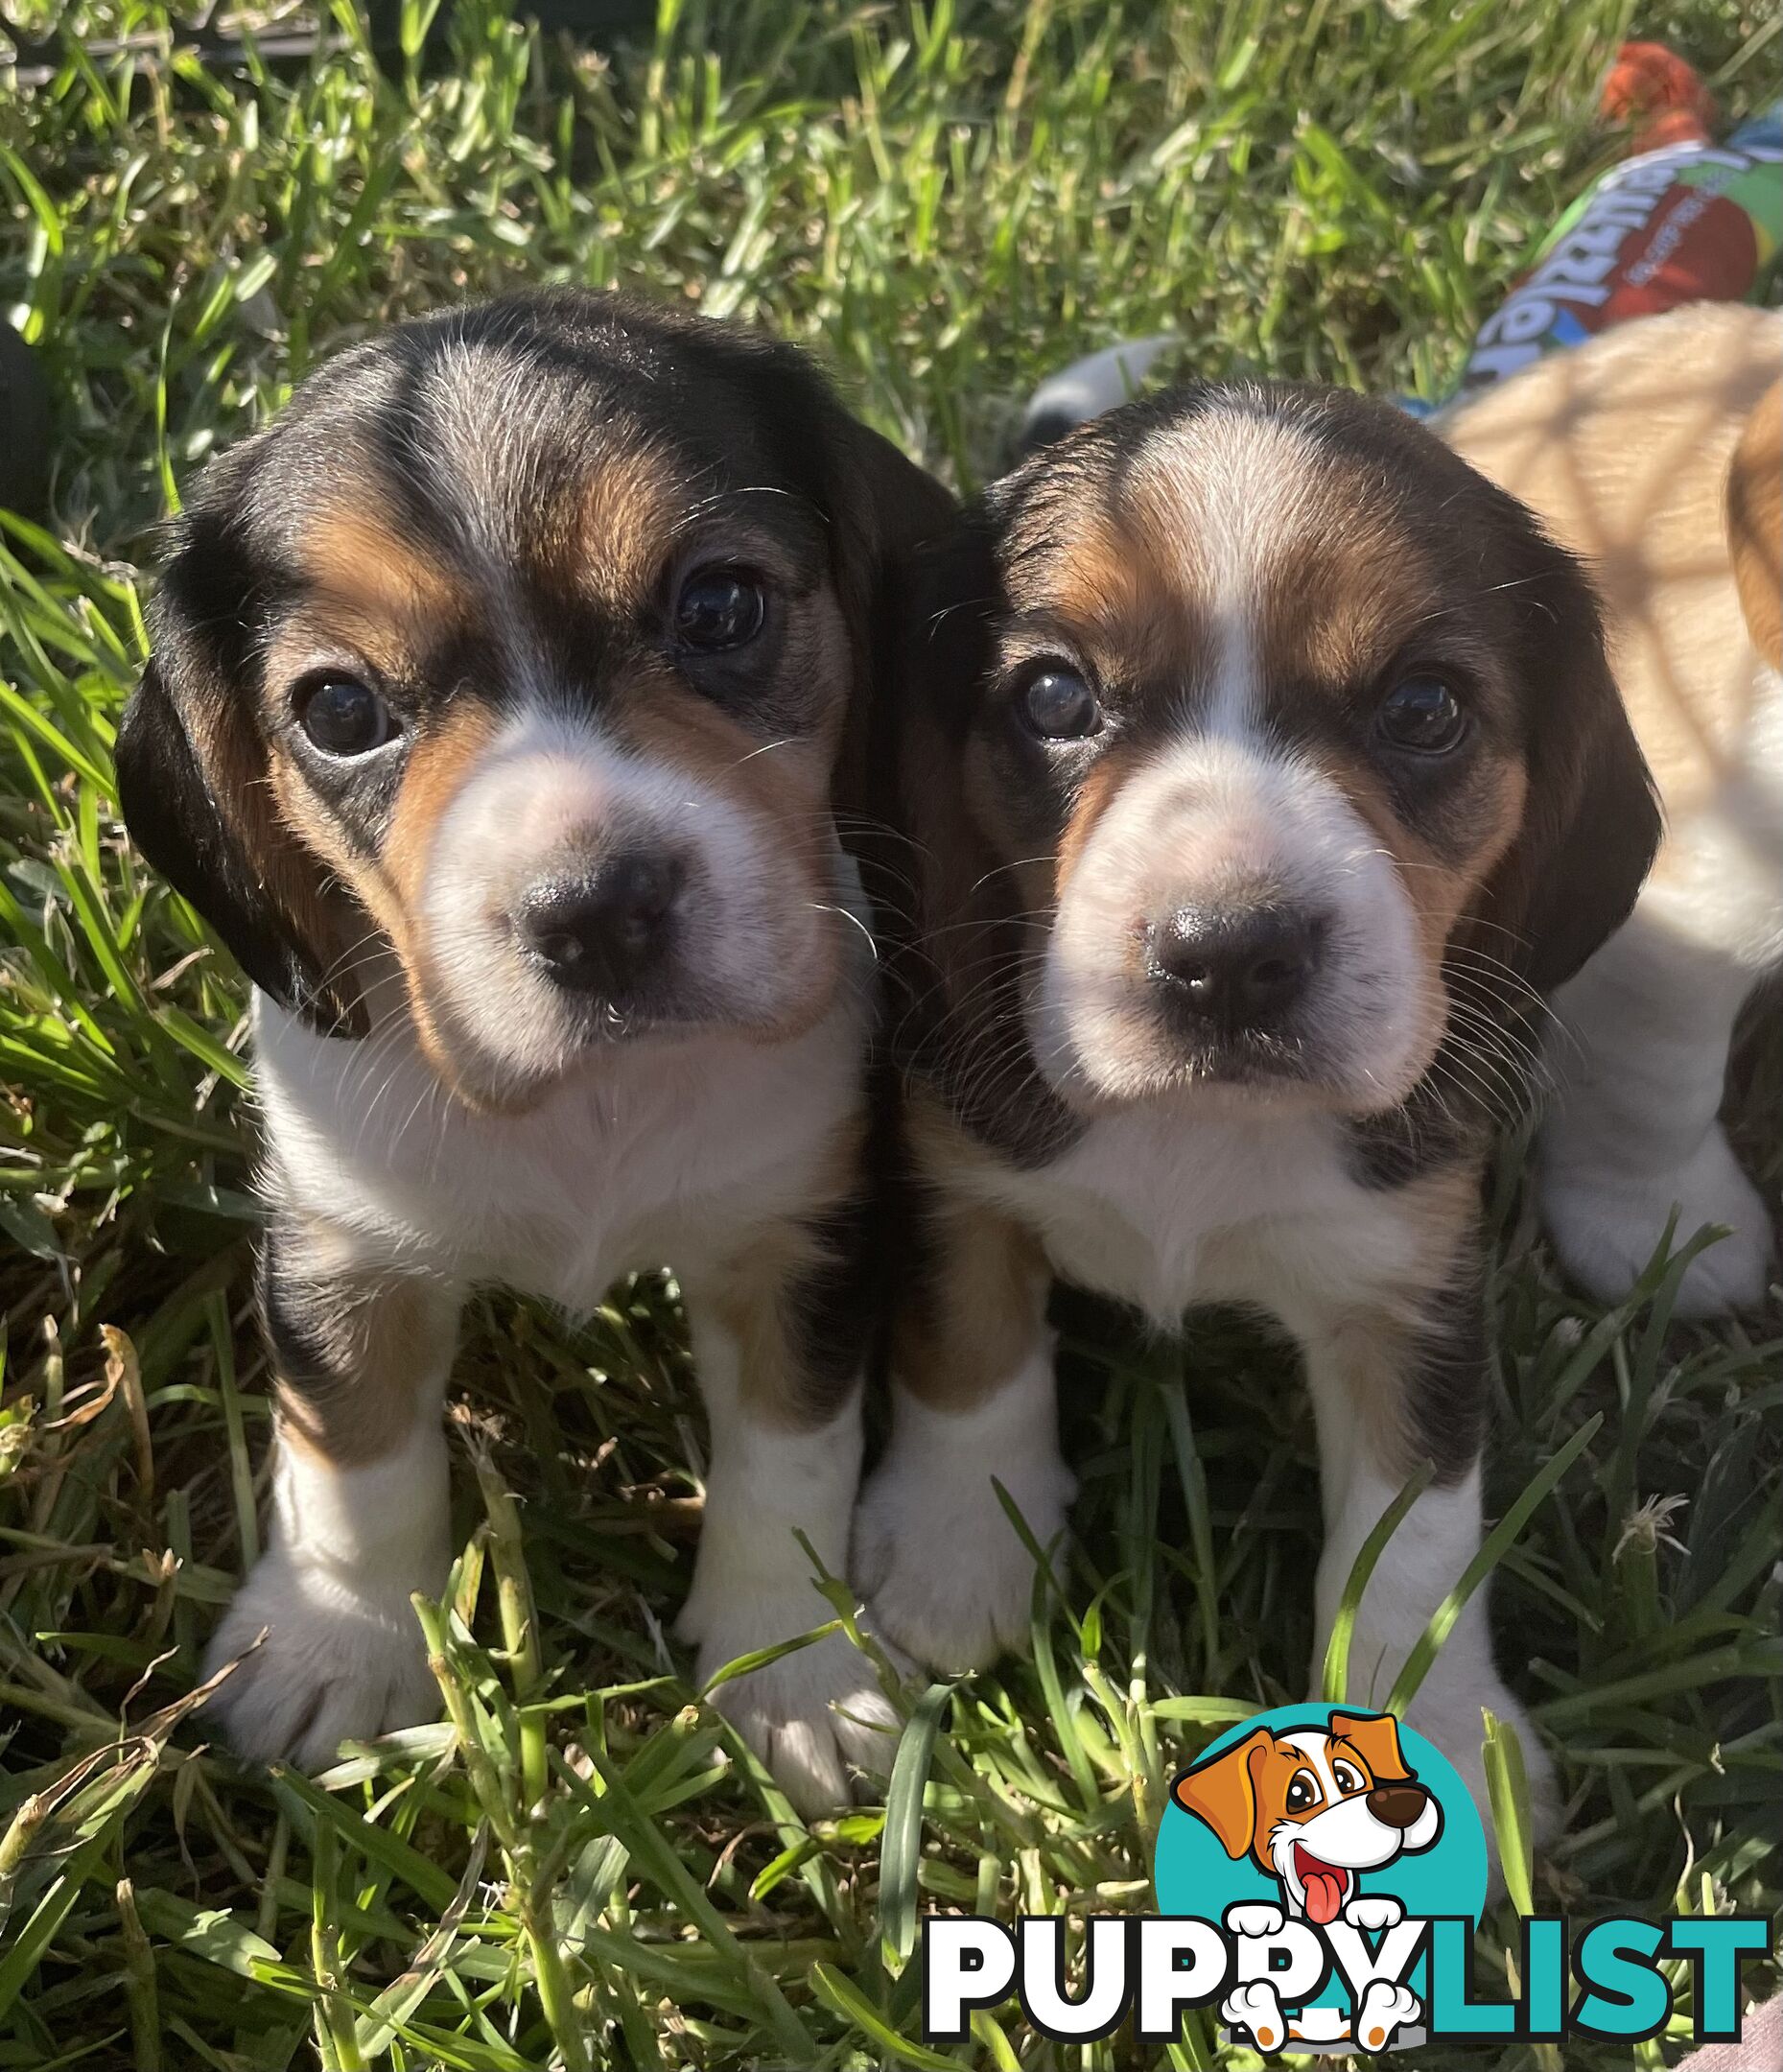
point(1590, 821)
point(192, 785)
point(1223, 1792)
point(959, 943)
point(946, 593)
point(884, 509)
point(1375, 1737)
point(1755, 523)
point(888, 505)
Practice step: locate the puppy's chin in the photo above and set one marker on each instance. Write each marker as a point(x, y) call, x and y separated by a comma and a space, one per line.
point(502, 1039)
point(1104, 1043)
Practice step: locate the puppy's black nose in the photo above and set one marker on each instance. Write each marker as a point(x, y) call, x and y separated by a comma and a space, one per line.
point(599, 930)
point(1236, 968)
point(1396, 1805)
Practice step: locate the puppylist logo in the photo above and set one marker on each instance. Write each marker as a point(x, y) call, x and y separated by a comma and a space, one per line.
point(1321, 1871)
point(1318, 1828)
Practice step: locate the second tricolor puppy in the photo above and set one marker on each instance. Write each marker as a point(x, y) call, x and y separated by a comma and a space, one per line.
point(497, 700)
point(1263, 771)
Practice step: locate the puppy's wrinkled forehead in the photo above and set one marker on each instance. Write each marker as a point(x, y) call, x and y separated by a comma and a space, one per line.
point(459, 486)
point(501, 460)
point(1239, 550)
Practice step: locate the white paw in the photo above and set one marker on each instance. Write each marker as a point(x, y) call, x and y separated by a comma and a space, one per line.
point(1449, 1714)
point(812, 1715)
point(1607, 1223)
point(1374, 1910)
point(945, 1574)
point(1257, 2009)
point(1251, 1918)
point(338, 1663)
point(1385, 2008)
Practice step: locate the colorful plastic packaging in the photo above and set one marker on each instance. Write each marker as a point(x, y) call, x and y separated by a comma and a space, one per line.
point(1691, 221)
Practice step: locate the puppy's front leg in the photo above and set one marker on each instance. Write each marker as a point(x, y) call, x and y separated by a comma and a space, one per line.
point(1634, 1128)
point(946, 1574)
point(1395, 1386)
point(780, 1342)
point(359, 1522)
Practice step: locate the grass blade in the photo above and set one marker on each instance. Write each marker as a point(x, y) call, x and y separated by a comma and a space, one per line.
point(902, 1839)
point(1497, 1544)
point(1334, 1680)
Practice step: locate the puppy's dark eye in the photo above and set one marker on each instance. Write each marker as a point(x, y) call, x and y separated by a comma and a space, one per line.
point(343, 717)
point(1421, 713)
point(717, 611)
point(1059, 705)
point(1346, 1778)
point(1303, 1792)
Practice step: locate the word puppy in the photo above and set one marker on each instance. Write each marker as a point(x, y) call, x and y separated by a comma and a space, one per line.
point(1264, 773)
point(498, 694)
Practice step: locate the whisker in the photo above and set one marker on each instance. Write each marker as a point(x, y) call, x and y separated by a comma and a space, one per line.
point(854, 919)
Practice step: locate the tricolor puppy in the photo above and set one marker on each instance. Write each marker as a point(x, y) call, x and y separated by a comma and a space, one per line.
point(1265, 773)
point(497, 701)
point(1657, 452)
point(1315, 1809)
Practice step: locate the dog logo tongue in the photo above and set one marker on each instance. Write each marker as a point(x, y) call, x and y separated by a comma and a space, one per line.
point(1324, 1886)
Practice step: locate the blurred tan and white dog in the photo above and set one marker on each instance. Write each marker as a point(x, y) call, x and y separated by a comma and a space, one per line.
point(1656, 453)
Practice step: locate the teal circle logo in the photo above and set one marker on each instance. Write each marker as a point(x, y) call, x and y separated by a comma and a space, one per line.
point(1329, 1815)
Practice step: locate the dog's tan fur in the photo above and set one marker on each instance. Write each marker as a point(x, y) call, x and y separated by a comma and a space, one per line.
point(981, 1306)
point(1625, 448)
point(387, 1334)
point(1657, 452)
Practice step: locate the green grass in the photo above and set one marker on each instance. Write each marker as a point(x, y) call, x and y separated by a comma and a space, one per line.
point(947, 202)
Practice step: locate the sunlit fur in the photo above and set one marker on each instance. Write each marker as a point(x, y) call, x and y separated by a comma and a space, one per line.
point(1657, 452)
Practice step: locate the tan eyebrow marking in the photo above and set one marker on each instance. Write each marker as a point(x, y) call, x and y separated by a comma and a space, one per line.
point(619, 530)
point(364, 566)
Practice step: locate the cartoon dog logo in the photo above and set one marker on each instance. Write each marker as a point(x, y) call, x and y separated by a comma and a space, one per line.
point(1316, 1808)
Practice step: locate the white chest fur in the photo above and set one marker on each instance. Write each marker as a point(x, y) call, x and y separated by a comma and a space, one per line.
point(1165, 1210)
point(656, 1155)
